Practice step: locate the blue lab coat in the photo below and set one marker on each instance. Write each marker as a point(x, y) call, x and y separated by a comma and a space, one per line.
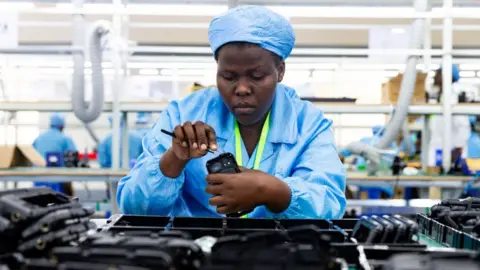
point(474, 146)
point(105, 149)
point(53, 141)
point(300, 150)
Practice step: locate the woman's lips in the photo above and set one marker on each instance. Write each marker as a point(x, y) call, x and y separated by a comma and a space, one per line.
point(244, 110)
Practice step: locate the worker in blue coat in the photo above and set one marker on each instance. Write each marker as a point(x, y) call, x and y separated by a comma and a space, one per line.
point(54, 140)
point(474, 139)
point(142, 120)
point(286, 146)
point(105, 148)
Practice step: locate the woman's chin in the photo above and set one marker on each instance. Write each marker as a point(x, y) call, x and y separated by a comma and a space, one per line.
point(245, 120)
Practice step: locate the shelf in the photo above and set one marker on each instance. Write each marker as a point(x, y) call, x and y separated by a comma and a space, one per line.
point(158, 106)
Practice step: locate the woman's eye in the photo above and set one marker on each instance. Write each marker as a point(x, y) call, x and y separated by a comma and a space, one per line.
point(228, 77)
point(257, 76)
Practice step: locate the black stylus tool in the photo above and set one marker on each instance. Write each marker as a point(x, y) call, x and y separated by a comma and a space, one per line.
point(171, 134)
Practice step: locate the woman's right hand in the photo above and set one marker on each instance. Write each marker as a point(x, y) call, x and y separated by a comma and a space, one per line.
point(193, 140)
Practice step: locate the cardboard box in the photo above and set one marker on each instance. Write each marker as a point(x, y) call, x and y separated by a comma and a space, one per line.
point(391, 89)
point(20, 156)
point(391, 92)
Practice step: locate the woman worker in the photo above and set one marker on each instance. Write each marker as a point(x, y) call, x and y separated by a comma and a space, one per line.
point(292, 169)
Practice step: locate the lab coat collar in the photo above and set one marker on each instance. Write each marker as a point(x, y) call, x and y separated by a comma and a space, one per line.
point(283, 120)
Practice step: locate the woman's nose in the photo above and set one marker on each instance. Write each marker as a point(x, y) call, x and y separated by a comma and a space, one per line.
point(242, 88)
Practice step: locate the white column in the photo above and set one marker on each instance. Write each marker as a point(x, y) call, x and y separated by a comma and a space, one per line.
point(447, 84)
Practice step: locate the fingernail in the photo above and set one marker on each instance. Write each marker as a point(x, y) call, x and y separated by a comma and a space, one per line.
point(203, 147)
point(213, 146)
point(194, 145)
point(184, 144)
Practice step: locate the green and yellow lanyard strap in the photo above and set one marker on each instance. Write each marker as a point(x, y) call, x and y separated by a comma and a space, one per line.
point(260, 146)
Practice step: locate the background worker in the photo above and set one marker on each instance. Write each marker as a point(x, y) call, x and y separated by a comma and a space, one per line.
point(460, 123)
point(142, 121)
point(54, 141)
point(474, 139)
point(105, 148)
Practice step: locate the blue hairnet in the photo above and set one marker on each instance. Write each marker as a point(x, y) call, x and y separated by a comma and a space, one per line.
point(455, 73)
point(253, 24)
point(57, 120)
point(142, 118)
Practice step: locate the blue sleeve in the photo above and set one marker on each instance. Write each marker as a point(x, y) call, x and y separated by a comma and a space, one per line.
point(103, 155)
point(317, 182)
point(70, 145)
point(145, 190)
point(34, 144)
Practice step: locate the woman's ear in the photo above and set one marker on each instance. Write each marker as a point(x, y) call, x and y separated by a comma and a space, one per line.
point(281, 71)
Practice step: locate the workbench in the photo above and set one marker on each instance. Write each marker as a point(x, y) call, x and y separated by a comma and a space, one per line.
point(105, 175)
point(29, 174)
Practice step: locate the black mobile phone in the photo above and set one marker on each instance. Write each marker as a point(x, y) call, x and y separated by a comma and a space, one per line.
point(399, 229)
point(368, 231)
point(387, 228)
point(224, 163)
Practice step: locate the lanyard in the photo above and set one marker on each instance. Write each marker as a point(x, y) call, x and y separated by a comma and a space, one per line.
point(260, 146)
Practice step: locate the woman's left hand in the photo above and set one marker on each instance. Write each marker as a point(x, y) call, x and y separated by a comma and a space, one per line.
point(247, 190)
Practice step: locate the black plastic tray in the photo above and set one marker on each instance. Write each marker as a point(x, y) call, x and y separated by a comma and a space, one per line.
point(346, 224)
point(140, 221)
point(320, 223)
point(190, 222)
point(447, 235)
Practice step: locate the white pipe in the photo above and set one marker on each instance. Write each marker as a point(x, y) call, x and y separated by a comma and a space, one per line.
point(407, 86)
point(447, 85)
point(116, 86)
point(124, 62)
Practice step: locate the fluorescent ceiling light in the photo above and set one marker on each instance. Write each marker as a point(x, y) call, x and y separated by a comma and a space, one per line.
point(344, 11)
point(188, 9)
point(467, 74)
point(373, 66)
point(322, 74)
point(398, 31)
point(297, 74)
point(85, 6)
point(158, 9)
point(306, 66)
point(183, 72)
point(478, 74)
point(469, 67)
point(187, 65)
point(46, 71)
point(112, 72)
point(148, 72)
point(7, 6)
